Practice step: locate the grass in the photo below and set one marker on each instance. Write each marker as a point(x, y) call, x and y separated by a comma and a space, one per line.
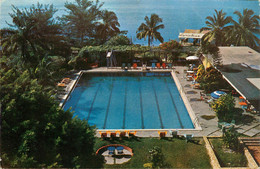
point(227, 157)
point(177, 153)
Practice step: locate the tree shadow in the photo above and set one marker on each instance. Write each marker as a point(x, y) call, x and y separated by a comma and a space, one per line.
point(243, 118)
point(96, 161)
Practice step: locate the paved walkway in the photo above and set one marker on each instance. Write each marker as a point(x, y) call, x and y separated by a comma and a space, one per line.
point(210, 127)
point(200, 108)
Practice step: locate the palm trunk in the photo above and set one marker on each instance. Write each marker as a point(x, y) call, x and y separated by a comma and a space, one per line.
point(149, 41)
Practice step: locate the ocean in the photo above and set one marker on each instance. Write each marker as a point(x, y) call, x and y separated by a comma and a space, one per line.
point(177, 15)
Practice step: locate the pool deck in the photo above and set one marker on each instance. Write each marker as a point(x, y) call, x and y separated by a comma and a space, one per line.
point(200, 108)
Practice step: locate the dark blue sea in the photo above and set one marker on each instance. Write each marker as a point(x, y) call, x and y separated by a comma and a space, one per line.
point(177, 15)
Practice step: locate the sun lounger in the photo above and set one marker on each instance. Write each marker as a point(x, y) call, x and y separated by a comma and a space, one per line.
point(135, 65)
point(103, 135)
point(61, 85)
point(111, 150)
point(122, 134)
point(153, 65)
point(113, 135)
point(120, 150)
point(132, 133)
point(169, 65)
point(188, 137)
point(162, 134)
point(173, 133)
point(128, 65)
point(164, 65)
point(66, 80)
point(158, 65)
point(243, 103)
point(123, 66)
point(189, 78)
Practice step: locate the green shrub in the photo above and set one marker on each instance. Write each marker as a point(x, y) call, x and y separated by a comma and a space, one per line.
point(224, 107)
point(231, 138)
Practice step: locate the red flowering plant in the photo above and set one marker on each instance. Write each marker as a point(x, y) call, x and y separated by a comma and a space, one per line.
point(172, 48)
point(172, 44)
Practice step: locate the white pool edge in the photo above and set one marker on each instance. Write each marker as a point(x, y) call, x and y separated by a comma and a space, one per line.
point(192, 115)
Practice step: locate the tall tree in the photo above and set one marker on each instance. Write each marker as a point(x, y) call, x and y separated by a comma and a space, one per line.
point(150, 29)
point(108, 27)
point(243, 32)
point(35, 131)
point(35, 33)
point(81, 19)
point(218, 27)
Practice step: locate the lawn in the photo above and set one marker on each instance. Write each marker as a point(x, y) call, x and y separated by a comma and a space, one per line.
point(227, 157)
point(177, 153)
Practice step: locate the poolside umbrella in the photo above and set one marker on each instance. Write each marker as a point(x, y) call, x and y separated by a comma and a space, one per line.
point(192, 58)
point(217, 94)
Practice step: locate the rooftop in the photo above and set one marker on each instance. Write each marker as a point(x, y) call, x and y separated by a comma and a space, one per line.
point(240, 69)
point(192, 33)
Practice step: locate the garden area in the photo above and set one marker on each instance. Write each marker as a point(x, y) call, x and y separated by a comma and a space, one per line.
point(165, 153)
point(228, 157)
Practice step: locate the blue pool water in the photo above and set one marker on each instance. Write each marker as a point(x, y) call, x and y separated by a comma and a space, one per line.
point(129, 101)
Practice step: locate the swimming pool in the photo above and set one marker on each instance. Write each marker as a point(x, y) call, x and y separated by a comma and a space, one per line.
point(127, 100)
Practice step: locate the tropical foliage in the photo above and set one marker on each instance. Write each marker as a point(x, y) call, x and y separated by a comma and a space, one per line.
point(217, 26)
point(35, 34)
point(108, 28)
point(245, 31)
point(118, 40)
point(224, 107)
point(80, 22)
point(223, 30)
point(210, 80)
point(36, 132)
point(230, 138)
point(150, 28)
point(212, 50)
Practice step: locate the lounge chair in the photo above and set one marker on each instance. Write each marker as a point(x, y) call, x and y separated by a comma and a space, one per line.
point(162, 134)
point(103, 135)
point(120, 150)
point(188, 137)
point(169, 65)
point(158, 65)
point(243, 103)
point(174, 133)
point(132, 133)
point(135, 65)
point(164, 65)
point(128, 65)
point(153, 65)
point(113, 135)
point(123, 66)
point(111, 150)
point(66, 80)
point(61, 85)
point(122, 134)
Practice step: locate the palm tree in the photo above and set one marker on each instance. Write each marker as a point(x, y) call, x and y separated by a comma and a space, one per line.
point(150, 29)
point(244, 31)
point(218, 27)
point(80, 21)
point(108, 27)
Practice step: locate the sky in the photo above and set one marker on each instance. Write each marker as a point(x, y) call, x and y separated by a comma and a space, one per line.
point(6, 7)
